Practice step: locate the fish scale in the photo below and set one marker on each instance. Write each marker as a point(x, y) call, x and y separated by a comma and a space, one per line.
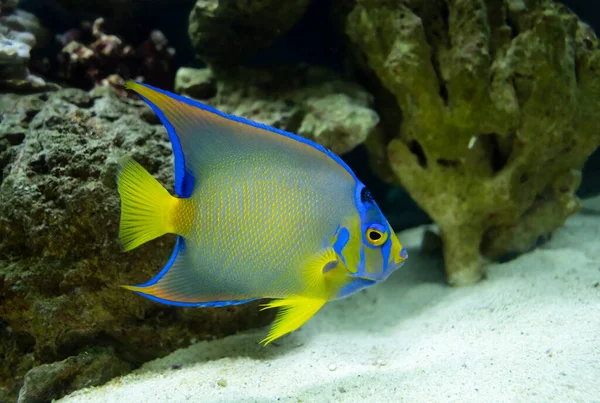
point(282, 202)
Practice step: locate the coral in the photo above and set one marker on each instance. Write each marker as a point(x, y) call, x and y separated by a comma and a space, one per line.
point(495, 111)
point(60, 262)
point(223, 32)
point(312, 102)
point(19, 33)
point(90, 56)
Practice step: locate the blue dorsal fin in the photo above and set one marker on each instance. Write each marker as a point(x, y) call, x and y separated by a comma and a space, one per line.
point(203, 136)
point(184, 178)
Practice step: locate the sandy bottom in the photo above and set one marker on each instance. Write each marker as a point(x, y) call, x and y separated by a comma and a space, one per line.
point(529, 333)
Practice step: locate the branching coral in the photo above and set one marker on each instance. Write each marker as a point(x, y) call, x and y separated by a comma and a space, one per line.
point(20, 32)
point(90, 56)
point(497, 107)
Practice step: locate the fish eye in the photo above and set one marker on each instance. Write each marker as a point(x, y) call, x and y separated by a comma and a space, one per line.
point(376, 236)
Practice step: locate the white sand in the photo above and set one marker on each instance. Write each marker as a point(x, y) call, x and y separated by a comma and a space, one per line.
point(529, 333)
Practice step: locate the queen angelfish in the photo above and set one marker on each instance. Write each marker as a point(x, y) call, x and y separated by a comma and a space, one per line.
point(258, 213)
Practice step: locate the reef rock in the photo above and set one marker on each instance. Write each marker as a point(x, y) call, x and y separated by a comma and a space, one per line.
point(312, 102)
point(494, 112)
point(226, 31)
point(20, 32)
point(60, 263)
point(48, 381)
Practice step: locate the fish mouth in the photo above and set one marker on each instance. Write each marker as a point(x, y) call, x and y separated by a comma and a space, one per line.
point(394, 264)
point(398, 261)
point(401, 258)
point(376, 277)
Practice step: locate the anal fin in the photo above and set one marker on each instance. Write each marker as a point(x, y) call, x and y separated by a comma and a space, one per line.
point(294, 312)
point(179, 284)
point(152, 292)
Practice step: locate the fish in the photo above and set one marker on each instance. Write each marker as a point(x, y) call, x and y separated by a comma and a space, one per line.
point(259, 213)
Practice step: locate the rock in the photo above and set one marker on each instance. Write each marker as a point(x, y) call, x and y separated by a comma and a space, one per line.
point(224, 32)
point(495, 113)
point(312, 102)
point(50, 381)
point(60, 263)
point(20, 31)
point(197, 83)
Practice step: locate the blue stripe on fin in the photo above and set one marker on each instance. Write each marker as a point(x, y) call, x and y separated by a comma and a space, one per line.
point(212, 304)
point(248, 122)
point(179, 247)
point(184, 179)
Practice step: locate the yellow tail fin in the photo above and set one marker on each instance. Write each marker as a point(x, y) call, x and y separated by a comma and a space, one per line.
point(294, 312)
point(146, 206)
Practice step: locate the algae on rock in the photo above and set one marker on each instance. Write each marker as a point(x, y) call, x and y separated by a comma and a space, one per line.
point(60, 262)
point(497, 110)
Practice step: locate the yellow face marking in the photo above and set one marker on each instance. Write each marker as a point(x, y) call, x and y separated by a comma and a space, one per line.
point(396, 250)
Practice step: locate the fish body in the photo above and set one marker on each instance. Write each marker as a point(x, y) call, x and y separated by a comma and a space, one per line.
point(259, 213)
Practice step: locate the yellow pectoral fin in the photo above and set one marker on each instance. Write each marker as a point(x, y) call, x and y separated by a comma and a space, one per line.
point(316, 267)
point(294, 312)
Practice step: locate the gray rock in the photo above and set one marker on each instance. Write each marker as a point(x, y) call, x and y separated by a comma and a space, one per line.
point(50, 381)
point(226, 31)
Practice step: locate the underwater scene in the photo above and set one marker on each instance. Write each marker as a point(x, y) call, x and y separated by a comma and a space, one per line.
point(299, 201)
